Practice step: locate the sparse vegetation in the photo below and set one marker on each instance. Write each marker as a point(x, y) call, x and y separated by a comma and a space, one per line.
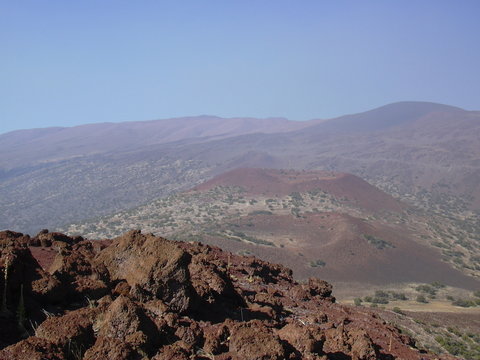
point(421, 299)
point(317, 263)
point(377, 242)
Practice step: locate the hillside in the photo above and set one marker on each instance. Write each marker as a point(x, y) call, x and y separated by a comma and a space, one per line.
point(319, 223)
point(426, 154)
point(139, 296)
point(23, 148)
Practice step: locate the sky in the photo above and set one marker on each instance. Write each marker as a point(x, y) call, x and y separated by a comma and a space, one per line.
point(65, 63)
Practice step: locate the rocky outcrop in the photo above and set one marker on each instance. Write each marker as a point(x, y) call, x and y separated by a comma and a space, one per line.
point(144, 297)
point(153, 267)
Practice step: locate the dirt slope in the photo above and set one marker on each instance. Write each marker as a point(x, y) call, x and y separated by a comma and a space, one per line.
point(269, 182)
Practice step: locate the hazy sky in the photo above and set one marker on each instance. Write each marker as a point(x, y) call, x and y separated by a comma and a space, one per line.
point(64, 63)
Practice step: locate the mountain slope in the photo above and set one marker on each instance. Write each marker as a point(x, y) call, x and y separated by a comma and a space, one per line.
point(319, 223)
point(27, 147)
point(429, 154)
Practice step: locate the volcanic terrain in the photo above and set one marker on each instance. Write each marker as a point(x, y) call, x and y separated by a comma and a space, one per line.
point(139, 296)
point(319, 223)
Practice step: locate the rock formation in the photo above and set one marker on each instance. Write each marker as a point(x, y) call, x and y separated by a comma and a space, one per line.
point(143, 297)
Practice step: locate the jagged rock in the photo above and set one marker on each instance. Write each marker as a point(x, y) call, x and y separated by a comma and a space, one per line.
point(25, 272)
point(109, 348)
point(216, 339)
point(361, 345)
point(154, 298)
point(72, 331)
point(176, 351)
point(33, 348)
point(305, 339)
point(253, 340)
point(12, 238)
point(152, 266)
point(46, 239)
point(321, 288)
point(75, 267)
point(126, 321)
point(354, 342)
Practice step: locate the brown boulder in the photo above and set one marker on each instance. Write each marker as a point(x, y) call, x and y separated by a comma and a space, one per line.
point(23, 269)
point(254, 341)
point(216, 339)
point(320, 288)
point(12, 238)
point(73, 329)
point(305, 339)
point(362, 347)
point(354, 342)
point(33, 348)
point(176, 351)
point(46, 239)
point(111, 349)
point(74, 266)
point(152, 266)
point(126, 321)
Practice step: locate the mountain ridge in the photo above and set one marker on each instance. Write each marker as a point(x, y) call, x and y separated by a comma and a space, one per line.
point(404, 161)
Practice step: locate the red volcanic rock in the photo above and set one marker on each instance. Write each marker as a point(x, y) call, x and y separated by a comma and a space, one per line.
point(75, 267)
point(33, 348)
point(12, 238)
point(159, 299)
point(25, 272)
point(153, 267)
point(304, 339)
point(73, 329)
point(253, 340)
point(109, 348)
point(45, 238)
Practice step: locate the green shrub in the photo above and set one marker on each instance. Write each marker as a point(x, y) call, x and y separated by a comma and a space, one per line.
point(317, 263)
point(397, 310)
point(357, 301)
point(464, 303)
point(377, 242)
point(426, 289)
point(399, 296)
point(380, 300)
point(422, 299)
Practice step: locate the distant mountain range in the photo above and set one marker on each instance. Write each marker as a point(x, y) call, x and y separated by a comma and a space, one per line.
point(424, 153)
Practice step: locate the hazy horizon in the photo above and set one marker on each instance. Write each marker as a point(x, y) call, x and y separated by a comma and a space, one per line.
point(68, 64)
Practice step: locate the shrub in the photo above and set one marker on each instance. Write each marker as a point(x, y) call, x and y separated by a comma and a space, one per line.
point(397, 310)
point(437, 285)
point(399, 296)
point(357, 301)
point(377, 242)
point(381, 294)
point(426, 289)
point(421, 299)
point(464, 303)
point(317, 263)
point(380, 300)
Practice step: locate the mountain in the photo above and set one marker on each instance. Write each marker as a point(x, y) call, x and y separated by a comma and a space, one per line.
point(139, 296)
point(319, 223)
point(426, 154)
point(28, 147)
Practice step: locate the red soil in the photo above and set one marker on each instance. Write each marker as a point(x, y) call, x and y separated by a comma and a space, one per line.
point(271, 182)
